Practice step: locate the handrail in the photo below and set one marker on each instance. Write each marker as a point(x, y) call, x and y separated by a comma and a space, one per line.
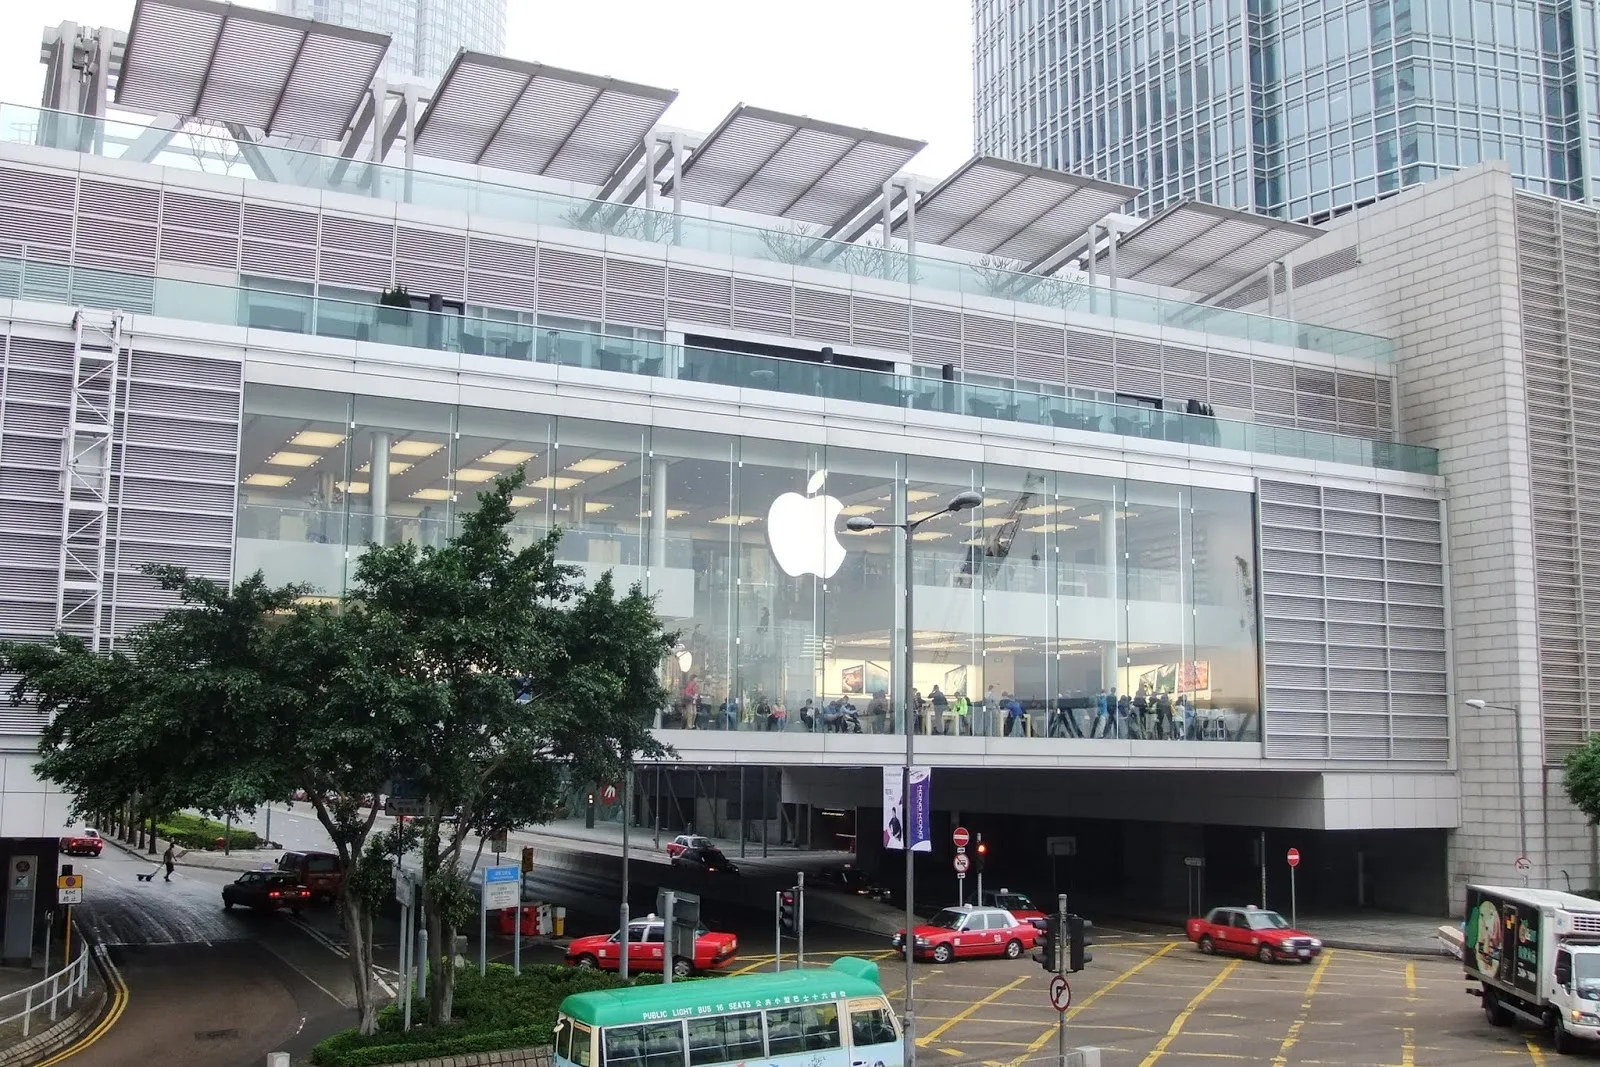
point(302, 313)
point(795, 246)
point(70, 983)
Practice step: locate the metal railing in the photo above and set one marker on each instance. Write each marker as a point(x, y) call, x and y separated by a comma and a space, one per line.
point(794, 246)
point(54, 994)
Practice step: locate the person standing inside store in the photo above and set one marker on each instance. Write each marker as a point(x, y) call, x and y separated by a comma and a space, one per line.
point(941, 710)
point(879, 710)
point(1016, 721)
point(963, 711)
point(988, 711)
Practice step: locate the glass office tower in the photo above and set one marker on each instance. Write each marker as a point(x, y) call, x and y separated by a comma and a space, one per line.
point(1293, 108)
point(427, 33)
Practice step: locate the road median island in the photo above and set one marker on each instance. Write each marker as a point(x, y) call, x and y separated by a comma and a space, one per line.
point(500, 1014)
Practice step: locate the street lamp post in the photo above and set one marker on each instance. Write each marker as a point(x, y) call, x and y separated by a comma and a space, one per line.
point(1522, 793)
point(861, 524)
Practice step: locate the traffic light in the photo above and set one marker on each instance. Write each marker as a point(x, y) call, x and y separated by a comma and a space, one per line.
point(1079, 937)
point(786, 909)
point(1051, 944)
point(982, 853)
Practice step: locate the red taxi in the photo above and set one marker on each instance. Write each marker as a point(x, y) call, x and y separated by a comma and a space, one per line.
point(1018, 905)
point(968, 932)
point(1252, 931)
point(684, 842)
point(647, 949)
point(85, 842)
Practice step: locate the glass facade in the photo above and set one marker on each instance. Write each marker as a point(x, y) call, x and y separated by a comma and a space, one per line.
point(1292, 108)
point(1059, 588)
point(425, 36)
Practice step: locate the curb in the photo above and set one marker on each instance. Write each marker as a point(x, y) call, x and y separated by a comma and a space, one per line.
point(62, 1035)
point(184, 859)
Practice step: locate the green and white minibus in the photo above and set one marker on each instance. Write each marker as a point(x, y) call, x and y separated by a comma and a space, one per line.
point(833, 1017)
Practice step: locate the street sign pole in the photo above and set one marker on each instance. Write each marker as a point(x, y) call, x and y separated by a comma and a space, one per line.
point(483, 936)
point(668, 899)
point(1294, 904)
point(800, 919)
point(1061, 1016)
point(627, 817)
point(777, 931)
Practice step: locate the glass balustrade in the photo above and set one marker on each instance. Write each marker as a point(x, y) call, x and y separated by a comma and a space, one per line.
point(463, 335)
point(792, 246)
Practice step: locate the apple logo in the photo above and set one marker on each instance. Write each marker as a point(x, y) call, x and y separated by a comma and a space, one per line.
point(800, 531)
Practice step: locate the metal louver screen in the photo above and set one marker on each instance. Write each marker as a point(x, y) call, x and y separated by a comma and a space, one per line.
point(1558, 259)
point(174, 480)
point(1352, 601)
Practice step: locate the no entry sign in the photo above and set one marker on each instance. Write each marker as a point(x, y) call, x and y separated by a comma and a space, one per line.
point(1294, 857)
point(960, 837)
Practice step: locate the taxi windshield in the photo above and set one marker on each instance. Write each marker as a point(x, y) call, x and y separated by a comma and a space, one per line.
point(1014, 902)
point(1265, 920)
point(948, 919)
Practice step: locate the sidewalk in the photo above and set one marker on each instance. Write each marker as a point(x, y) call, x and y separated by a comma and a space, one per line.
point(642, 844)
point(238, 860)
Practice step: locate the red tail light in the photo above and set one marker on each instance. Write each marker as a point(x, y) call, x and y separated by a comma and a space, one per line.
point(273, 893)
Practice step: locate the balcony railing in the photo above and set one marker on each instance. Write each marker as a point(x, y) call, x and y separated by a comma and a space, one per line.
point(791, 247)
point(325, 317)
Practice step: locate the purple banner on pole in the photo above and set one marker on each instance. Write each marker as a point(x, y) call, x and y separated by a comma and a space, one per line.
point(921, 829)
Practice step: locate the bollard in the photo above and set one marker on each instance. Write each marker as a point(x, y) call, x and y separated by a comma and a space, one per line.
point(545, 920)
point(277, 1059)
point(1088, 1056)
point(561, 921)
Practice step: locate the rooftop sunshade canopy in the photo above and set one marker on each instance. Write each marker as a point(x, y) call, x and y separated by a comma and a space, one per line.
point(1205, 248)
point(999, 207)
point(793, 167)
point(536, 119)
point(227, 63)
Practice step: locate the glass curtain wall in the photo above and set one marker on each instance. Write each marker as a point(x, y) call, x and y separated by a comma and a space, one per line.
point(1066, 605)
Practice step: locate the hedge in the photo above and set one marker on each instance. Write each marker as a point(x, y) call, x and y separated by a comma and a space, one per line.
point(196, 833)
point(498, 1011)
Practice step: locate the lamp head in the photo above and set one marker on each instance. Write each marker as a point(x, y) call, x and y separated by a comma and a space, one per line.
point(1475, 703)
point(964, 501)
point(859, 524)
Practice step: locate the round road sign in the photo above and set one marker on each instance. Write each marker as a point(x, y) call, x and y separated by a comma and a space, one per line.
point(1294, 857)
point(962, 863)
point(960, 837)
point(609, 794)
point(1523, 865)
point(1060, 993)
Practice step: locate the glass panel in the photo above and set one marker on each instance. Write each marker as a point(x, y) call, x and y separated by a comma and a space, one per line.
point(582, 1045)
point(727, 1039)
point(871, 1026)
point(813, 1028)
point(650, 1045)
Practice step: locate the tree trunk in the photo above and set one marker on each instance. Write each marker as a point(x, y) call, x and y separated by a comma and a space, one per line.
point(152, 847)
point(358, 932)
point(442, 964)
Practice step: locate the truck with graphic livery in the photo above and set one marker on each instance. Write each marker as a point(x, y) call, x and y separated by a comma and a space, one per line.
point(1534, 955)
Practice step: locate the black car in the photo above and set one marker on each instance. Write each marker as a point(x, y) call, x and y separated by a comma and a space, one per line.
point(710, 860)
point(851, 880)
point(266, 891)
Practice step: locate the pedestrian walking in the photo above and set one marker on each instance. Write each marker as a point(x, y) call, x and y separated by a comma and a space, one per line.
point(169, 857)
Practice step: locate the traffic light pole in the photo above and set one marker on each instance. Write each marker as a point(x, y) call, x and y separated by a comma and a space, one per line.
point(777, 931)
point(800, 920)
point(1061, 1017)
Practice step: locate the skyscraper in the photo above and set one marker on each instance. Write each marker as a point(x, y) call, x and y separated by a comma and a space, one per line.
point(426, 33)
point(1293, 108)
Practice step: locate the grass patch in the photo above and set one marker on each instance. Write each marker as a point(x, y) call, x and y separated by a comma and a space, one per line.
point(197, 833)
point(500, 1010)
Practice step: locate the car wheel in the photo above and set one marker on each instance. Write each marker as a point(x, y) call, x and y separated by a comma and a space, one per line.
point(227, 905)
point(1563, 1041)
point(1493, 1010)
point(942, 954)
point(585, 963)
point(682, 968)
point(1264, 953)
point(1207, 946)
point(1013, 949)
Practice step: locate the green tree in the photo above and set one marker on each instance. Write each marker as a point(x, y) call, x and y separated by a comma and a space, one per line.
point(1582, 778)
point(505, 676)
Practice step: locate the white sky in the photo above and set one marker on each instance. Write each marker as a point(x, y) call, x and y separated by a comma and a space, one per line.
point(901, 67)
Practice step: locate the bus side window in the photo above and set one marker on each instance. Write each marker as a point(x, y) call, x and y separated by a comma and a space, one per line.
point(871, 1026)
point(564, 1038)
point(725, 1039)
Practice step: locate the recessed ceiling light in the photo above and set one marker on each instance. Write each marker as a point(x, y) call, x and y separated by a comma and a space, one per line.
point(1051, 527)
point(594, 507)
point(316, 439)
point(930, 535)
point(269, 481)
point(915, 495)
point(672, 513)
point(1041, 509)
point(861, 509)
point(415, 448)
point(555, 483)
point(595, 465)
point(395, 467)
point(292, 459)
point(735, 520)
point(353, 488)
point(975, 541)
point(432, 494)
point(509, 457)
point(473, 474)
point(994, 502)
point(524, 501)
point(992, 520)
point(920, 516)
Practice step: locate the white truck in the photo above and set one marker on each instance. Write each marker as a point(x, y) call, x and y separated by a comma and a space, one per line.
point(1536, 956)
